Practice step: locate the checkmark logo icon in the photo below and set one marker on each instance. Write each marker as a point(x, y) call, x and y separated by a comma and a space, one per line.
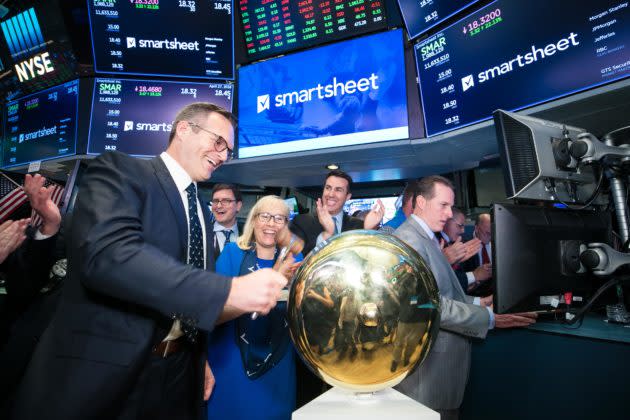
point(262, 103)
point(468, 82)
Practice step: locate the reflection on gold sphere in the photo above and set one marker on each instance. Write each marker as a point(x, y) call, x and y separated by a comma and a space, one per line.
point(363, 310)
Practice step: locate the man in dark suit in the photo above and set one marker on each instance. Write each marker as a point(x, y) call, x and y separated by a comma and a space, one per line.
point(124, 342)
point(226, 203)
point(440, 381)
point(481, 262)
point(330, 219)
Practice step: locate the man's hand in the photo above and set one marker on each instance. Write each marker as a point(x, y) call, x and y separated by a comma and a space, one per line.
point(455, 252)
point(208, 383)
point(472, 248)
point(514, 320)
point(483, 272)
point(325, 219)
point(288, 266)
point(41, 202)
point(374, 217)
point(12, 234)
point(486, 301)
point(256, 292)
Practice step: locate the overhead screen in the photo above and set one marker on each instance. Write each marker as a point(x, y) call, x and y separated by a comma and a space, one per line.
point(365, 204)
point(272, 27)
point(191, 38)
point(35, 47)
point(135, 116)
point(422, 15)
point(41, 126)
point(347, 93)
point(495, 59)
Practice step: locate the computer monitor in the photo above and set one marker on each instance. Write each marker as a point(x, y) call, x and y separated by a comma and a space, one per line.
point(293, 206)
point(535, 254)
point(355, 204)
point(536, 160)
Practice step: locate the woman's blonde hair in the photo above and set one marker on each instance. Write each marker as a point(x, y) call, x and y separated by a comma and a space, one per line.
point(246, 240)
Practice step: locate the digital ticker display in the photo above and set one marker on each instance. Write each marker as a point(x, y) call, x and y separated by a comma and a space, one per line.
point(355, 94)
point(422, 15)
point(136, 116)
point(185, 38)
point(41, 126)
point(272, 27)
point(493, 59)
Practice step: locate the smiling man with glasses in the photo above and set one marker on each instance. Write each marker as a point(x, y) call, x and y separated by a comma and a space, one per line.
point(226, 203)
point(142, 293)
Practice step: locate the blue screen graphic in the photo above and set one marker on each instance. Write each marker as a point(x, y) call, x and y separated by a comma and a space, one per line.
point(422, 15)
point(494, 59)
point(41, 126)
point(348, 93)
point(186, 38)
point(136, 116)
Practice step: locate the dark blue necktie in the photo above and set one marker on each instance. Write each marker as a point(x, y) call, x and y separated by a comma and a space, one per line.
point(195, 250)
point(227, 234)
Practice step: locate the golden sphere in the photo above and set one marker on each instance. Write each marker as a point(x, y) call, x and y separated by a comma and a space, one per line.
point(363, 310)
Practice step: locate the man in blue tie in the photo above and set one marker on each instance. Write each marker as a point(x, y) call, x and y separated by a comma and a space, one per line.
point(226, 203)
point(128, 338)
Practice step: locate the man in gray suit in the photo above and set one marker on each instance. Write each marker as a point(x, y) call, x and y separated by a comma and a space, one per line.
point(440, 381)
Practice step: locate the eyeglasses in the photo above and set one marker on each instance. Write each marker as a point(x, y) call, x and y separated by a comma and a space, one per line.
point(278, 219)
point(223, 202)
point(220, 144)
point(460, 225)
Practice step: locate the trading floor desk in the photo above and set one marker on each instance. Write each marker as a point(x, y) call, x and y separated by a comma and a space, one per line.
point(551, 371)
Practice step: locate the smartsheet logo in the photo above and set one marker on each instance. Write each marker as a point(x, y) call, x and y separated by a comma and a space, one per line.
point(262, 103)
point(521, 60)
point(162, 44)
point(143, 126)
point(320, 91)
point(42, 132)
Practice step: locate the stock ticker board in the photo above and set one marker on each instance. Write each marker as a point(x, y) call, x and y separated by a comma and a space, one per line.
point(272, 27)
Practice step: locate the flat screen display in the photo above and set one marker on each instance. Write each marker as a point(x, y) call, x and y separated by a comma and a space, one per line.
point(41, 126)
point(495, 59)
point(347, 93)
point(272, 27)
point(422, 15)
point(365, 204)
point(35, 48)
point(136, 116)
point(185, 38)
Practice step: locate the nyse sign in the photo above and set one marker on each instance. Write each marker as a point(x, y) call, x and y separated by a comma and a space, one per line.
point(37, 65)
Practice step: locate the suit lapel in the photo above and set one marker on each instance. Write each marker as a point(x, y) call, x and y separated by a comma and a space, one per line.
point(173, 197)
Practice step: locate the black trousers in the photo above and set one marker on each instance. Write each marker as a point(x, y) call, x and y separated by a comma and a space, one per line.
point(166, 389)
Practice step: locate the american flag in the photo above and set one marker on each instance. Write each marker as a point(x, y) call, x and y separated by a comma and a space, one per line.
point(56, 195)
point(12, 196)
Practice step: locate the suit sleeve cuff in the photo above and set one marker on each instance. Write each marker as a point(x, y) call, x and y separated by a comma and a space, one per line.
point(491, 319)
point(470, 276)
point(39, 236)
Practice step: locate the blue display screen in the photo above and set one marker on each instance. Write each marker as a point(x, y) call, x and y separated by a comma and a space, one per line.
point(342, 94)
point(518, 53)
point(186, 38)
point(136, 116)
point(41, 126)
point(422, 15)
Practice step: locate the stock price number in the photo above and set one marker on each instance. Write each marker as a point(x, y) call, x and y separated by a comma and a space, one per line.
point(450, 104)
point(115, 53)
point(117, 66)
point(483, 22)
point(113, 27)
point(226, 6)
point(445, 74)
point(431, 16)
point(223, 92)
point(189, 91)
point(188, 4)
point(447, 89)
point(452, 120)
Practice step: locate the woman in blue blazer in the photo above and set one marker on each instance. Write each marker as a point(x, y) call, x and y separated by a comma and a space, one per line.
point(253, 360)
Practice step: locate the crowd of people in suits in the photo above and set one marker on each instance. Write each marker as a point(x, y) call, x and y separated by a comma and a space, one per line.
point(156, 318)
